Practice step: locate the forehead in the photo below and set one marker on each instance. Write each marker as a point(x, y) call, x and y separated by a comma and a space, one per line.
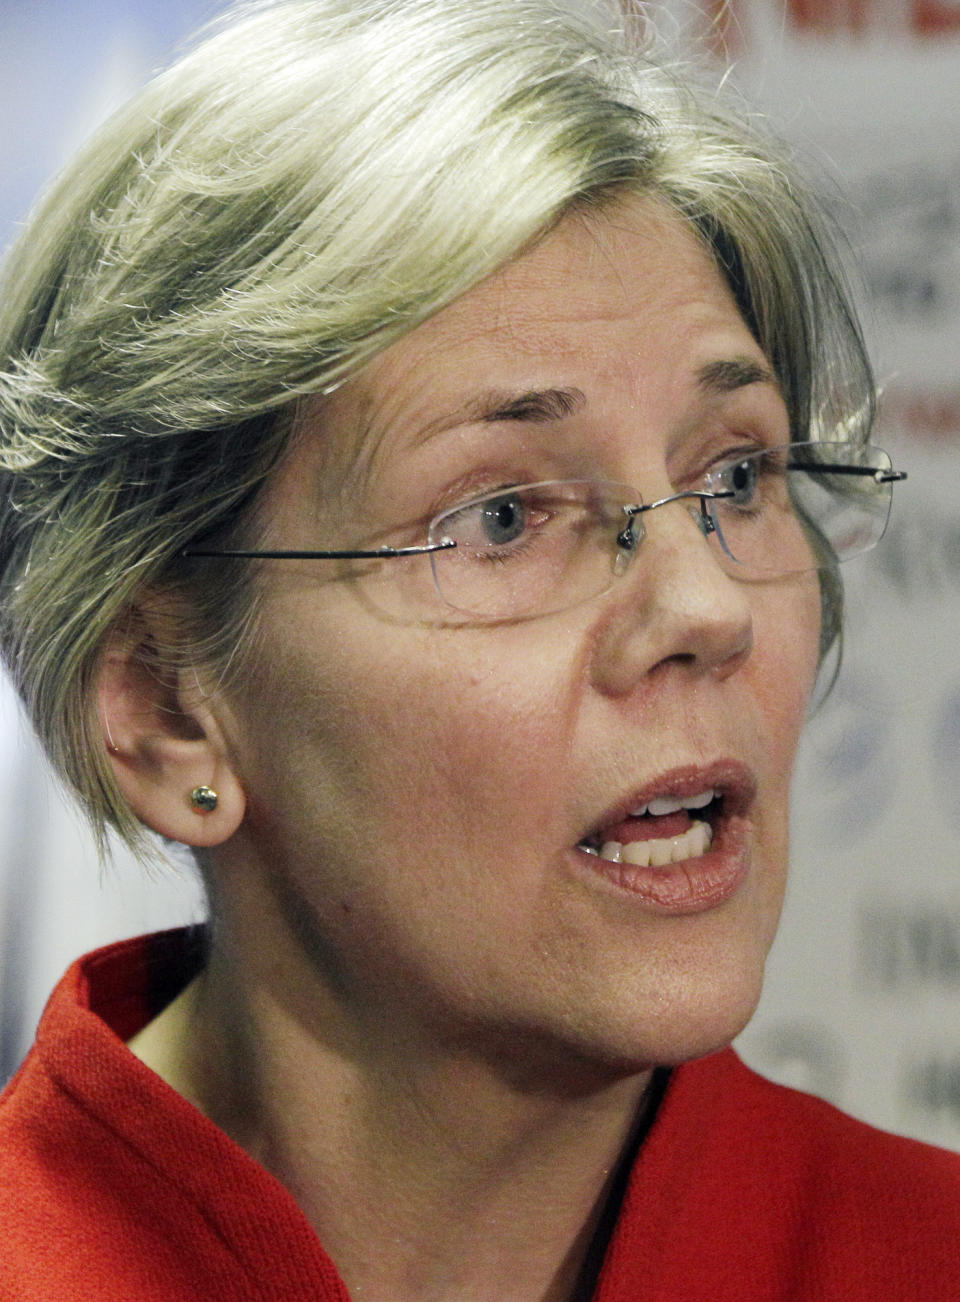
point(625, 298)
point(632, 260)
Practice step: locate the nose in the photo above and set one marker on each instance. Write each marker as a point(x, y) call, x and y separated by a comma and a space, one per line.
point(675, 605)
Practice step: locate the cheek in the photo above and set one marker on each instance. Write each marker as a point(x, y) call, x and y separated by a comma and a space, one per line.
point(481, 734)
point(405, 736)
point(785, 662)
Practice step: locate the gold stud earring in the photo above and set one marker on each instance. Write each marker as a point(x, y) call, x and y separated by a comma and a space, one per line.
point(204, 799)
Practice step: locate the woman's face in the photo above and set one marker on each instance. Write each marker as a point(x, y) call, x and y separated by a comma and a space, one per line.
point(419, 788)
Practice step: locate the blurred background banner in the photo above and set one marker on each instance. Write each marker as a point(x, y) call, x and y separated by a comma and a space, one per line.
point(863, 996)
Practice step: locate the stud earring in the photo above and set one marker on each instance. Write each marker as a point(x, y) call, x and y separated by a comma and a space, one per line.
point(204, 799)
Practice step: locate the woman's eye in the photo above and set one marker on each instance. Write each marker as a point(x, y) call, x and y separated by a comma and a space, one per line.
point(511, 524)
point(746, 476)
point(503, 519)
point(742, 479)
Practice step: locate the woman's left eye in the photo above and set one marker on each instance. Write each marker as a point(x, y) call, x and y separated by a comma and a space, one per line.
point(739, 471)
point(741, 478)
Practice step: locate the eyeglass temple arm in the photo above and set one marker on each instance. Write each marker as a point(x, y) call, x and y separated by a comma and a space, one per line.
point(880, 476)
point(378, 554)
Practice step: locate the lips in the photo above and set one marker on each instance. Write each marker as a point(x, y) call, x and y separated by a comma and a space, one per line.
point(680, 843)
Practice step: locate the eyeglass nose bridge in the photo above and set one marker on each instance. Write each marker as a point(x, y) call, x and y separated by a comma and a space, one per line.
point(634, 531)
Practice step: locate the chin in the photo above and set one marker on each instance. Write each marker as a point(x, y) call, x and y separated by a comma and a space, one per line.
point(682, 1021)
point(613, 1044)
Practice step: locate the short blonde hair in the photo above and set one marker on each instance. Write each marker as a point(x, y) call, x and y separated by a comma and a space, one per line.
point(309, 183)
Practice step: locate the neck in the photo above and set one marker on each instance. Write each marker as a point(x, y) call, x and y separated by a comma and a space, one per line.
point(475, 1182)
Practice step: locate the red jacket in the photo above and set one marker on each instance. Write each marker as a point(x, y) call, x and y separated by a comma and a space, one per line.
point(115, 1189)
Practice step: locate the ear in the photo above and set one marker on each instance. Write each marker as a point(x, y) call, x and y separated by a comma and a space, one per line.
point(164, 740)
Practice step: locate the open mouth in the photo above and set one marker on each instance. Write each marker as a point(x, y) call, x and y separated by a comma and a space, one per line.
point(666, 830)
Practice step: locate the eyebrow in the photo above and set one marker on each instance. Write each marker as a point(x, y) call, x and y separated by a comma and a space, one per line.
point(544, 406)
point(539, 406)
point(729, 374)
point(535, 405)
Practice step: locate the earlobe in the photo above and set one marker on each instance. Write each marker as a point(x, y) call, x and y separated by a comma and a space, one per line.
point(166, 746)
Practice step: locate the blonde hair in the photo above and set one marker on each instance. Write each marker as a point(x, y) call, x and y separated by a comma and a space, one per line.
point(308, 184)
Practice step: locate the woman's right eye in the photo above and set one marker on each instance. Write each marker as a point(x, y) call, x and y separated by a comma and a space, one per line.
point(495, 526)
point(529, 521)
point(503, 519)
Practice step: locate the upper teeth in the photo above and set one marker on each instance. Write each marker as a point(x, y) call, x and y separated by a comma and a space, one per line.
point(671, 805)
